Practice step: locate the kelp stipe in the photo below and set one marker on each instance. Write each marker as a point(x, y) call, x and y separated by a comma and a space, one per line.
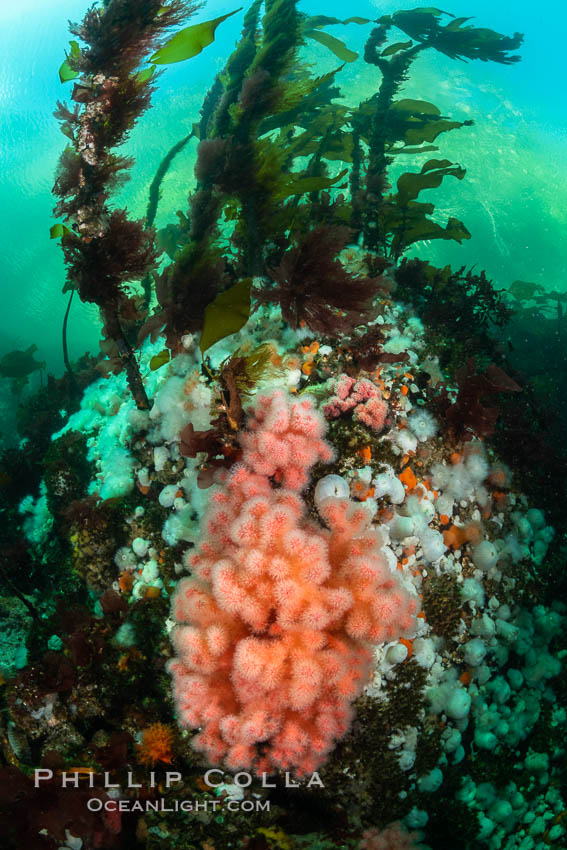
point(254, 214)
point(104, 249)
point(384, 127)
point(233, 170)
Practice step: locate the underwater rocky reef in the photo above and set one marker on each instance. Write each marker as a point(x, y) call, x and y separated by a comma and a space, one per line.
point(279, 569)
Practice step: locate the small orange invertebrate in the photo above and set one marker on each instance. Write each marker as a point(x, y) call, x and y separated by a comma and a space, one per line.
point(126, 581)
point(500, 498)
point(156, 744)
point(454, 537)
point(407, 477)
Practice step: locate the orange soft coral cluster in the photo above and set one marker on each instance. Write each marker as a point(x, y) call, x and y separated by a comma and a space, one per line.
point(275, 626)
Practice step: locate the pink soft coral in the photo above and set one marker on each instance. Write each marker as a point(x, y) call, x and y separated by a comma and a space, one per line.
point(284, 439)
point(362, 397)
point(392, 837)
point(275, 627)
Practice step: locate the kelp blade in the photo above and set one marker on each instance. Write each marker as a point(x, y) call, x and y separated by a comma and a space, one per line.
point(189, 42)
point(227, 313)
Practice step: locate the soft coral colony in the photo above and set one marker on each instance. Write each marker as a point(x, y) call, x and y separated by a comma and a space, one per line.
point(281, 613)
point(279, 452)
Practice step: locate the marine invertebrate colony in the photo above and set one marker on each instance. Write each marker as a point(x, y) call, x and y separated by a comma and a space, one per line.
point(362, 397)
point(275, 627)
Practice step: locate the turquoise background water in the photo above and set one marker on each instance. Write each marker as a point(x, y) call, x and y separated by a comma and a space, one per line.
point(512, 199)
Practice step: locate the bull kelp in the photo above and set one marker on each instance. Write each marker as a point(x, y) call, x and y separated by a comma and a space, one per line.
point(279, 568)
